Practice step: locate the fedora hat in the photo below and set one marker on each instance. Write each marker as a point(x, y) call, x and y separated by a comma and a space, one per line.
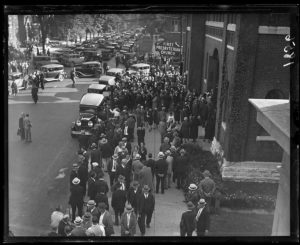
point(146, 188)
point(76, 181)
point(202, 201)
point(190, 205)
point(135, 183)
point(206, 173)
point(91, 203)
point(128, 207)
point(94, 145)
point(137, 156)
point(161, 155)
point(115, 156)
point(103, 141)
point(167, 152)
point(95, 164)
point(102, 205)
point(77, 221)
point(193, 187)
point(75, 166)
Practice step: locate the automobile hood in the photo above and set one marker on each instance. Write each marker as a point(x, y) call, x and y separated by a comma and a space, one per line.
point(86, 116)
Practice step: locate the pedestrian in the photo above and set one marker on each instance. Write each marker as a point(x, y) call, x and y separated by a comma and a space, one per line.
point(106, 150)
point(118, 201)
point(62, 225)
point(131, 125)
point(169, 160)
point(83, 175)
point(193, 128)
point(202, 218)
point(207, 188)
point(161, 168)
point(97, 169)
point(83, 140)
point(165, 145)
point(78, 230)
point(136, 166)
point(27, 128)
point(133, 194)
point(87, 220)
point(21, 128)
point(181, 164)
point(73, 76)
point(187, 222)
point(92, 191)
point(143, 151)
point(145, 207)
point(92, 209)
point(162, 128)
point(112, 169)
point(185, 130)
point(48, 52)
point(74, 173)
point(106, 220)
point(141, 133)
point(76, 198)
point(101, 185)
point(14, 88)
point(149, 118)
point(102, 197)
point(151, 163)
point(193, 194)
point(145, 178)
point(56, 217)
point(95, 154)
point(127, 144)
point(128, 222)
point(42, 81)
point(124, 170)
point(95, 229)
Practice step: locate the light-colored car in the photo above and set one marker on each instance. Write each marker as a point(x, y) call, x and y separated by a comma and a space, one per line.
point(72, 59)
point(100, 89)
point(53, 72)
point(107, 80)
point(115, 71)
point(18, 78)
point(141, 68)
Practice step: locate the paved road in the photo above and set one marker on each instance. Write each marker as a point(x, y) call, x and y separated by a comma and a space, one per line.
point(33, 190)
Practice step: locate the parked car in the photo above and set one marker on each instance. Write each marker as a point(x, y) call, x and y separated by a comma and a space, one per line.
point(89, 69)
point(18, 78)
point(53, 72)
point(90, 55)
point(41, 60)
point(106, 54)
point(72, 59)
point(100, 89)
point(140, 68)
point(115, 71)
point(112, 49)
point(89, 108)
point(107, 80)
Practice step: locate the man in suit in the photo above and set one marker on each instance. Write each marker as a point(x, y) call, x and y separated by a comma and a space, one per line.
point(83, 174)
point(145, 177)
point(124, 170)
point(92, 191)
point(180, 167)
point(95, 154)
point(161, 168)
point(187, 222)
point(106, 220)
point(76, 198)
point(202, 218)
point(128, 222)
point(78, 230)
point(133, 194)
point(74, 173)
point(127, 144)
point(101, 185)
point(136, 166)
point(145, 207)
point(118, 201)
point(112, 169)
point(151, 163)
point(91, 208)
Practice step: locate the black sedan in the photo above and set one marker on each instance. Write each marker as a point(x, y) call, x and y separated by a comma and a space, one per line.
point(89, 69)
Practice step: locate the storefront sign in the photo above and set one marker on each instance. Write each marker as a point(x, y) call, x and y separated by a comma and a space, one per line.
point(168, 49)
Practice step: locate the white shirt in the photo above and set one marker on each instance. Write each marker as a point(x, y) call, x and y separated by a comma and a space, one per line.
point(199, 213)
point(114, 167)
point(126, 130)
point(101, 218)
point(146, 195)
point(128, 218)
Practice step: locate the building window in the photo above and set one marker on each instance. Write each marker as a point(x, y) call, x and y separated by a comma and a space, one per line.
point(175, 25)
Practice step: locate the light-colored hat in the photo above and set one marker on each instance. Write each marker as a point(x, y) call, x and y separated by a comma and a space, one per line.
point(95, 164)
point(201, 201)
point(137, 156)
point(75, 166)
point(182, 151)
point(76, 181)
point(94, 145)
point(124, 138)
point(193, 187)
point(115, 156)
point(124, 160)
point(161, 154)
point(66, 216)
point(77, 221)
point(167, 152)
point(103, 141)
point(173, 148)
point(91, 203)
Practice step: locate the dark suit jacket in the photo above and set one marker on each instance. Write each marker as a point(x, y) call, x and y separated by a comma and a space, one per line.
point(128, 147)
point(161, 166)
point(92, 191)
point(118, 199)
point(110, 165)
point(83, 174)
point(101, 186)
point(100, 197)
point(145, 205)
point(187, 223)
point(204, 220)
point(132, 224)
point(77, 195)
point(123, 171)
point(95, 156)
point(132, 197)
point(73, 175)
point(108, 224)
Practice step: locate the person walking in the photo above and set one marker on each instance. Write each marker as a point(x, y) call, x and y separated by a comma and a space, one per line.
point(92, 209)
point(187, 222)
point(141, 133)
point(27, 128)
point(151, 163)
point(101, 185)
point(145, 208)
point(202, 218)
point(118, 201)
point(185, 130)
point(106, 220)
point(143, 151)
point(207, 188)
point(78, 230)
point(14, 88)
point(169, 160)
point(63, 224)
point(161, 168)
point(136, 166)
point(76, 198)
point(83, 175)
point(95, 229)
point(128, 222)
point(145, 177)
point(133, 194)
point(92, 191)
point(73, 76)
point(112, 169)
point(21, 126)
point(180, 167)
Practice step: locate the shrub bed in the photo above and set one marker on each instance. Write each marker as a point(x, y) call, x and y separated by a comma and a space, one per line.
point(235, 195)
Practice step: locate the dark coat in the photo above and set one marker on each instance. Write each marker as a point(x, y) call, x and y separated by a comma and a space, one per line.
point(181, 164)
point(187, 223)
point(132, 224)
point(194, 128)
point(204, 221)
point(151, 163)
point(77, 195)
point(155, 117)
point(124, 171)
point(128, 147)
point(185, 129)
point(145, 205)
point(141, 134)
point(106, 150)
point(164, 146)
point(92, 190)
point(100, 197)
point(101, 186)
point(78, 231)
point(161, 167)
point(132, 197)
point(118, 200)
point(83, 174)
point(108, 224)
point(73, 175)
point(96, 156)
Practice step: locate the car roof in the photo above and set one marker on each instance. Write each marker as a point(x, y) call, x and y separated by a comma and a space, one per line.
point(91, 62)
point(115, 70)
point(97, 86)
point(92, 99)
point(53, 66)
point(106, 78)
point(109, 46)
point(15, 74)
point(140, 64)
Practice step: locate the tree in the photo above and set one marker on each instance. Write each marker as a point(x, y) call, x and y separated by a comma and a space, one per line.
point(45, 22)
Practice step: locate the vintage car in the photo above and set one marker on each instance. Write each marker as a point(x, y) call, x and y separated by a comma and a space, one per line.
point(89, 109)
point(72, 59)
point(141, 68)
point(114, 71)
point(91, 55)
point(107, 80)
point(106, 54)
point(53, 72)
point(100, 89)
point(41, 60)
point(112, 49)
point(89, 69)
point(18, 78)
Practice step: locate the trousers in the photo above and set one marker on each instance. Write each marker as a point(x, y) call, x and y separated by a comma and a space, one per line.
point(145, 217)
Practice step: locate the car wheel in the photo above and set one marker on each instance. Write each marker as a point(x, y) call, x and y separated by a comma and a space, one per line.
point(61, 77)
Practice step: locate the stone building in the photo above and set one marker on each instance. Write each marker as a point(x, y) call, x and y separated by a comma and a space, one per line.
point(241, 57)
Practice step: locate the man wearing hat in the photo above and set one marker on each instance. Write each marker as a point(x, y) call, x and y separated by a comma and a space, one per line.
point(74, 173)
point(202, 218)
point(128, 221)
point(131, 124)
point(118, 201)
point(112, 168)
point(127, 144)
point(101, 185)
point(145, 177)
point(161, 168)
point(165, 145)
point(120, 182)
point(63, 224)
point(91, 208)
point(145, 208)
point(97, 168)
point(187, 223)
point(193, 194)
point(83, 174)
point(106, 220)
point(185, 130)
point(106, 151)
point(76, 198)
point(124, 170)
point(169, 160)
point(136, 166)
point(92, 191)
point(133, 194)
point(207, 188)
point(151, 163)
point(181, 163)
point(78, 230)
point(95, 153)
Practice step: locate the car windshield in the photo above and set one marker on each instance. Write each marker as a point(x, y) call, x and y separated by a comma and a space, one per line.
point(86, 110)
point(55, 69)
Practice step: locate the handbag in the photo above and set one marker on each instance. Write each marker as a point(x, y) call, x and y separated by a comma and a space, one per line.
point(19, 131)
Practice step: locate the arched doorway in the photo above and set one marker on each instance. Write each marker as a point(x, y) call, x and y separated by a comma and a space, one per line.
point(213, 71)
point(275, 94)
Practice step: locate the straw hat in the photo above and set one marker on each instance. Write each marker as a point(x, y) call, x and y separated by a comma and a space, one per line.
point(76, 181)
point(78, 221)
point(193, 187)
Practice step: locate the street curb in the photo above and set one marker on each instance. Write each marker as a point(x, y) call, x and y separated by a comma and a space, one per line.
point(247, 211)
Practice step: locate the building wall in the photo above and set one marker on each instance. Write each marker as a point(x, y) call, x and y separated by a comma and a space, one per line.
point(13, 30)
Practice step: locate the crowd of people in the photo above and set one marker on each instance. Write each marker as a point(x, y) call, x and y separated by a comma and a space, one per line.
point(158, 101)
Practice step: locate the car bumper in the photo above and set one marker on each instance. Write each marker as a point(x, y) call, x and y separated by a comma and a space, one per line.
point(74, 132)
